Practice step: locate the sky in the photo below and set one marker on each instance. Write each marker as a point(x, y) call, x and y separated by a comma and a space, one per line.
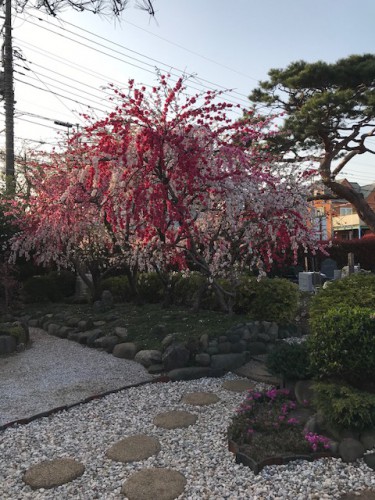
point(63, 64)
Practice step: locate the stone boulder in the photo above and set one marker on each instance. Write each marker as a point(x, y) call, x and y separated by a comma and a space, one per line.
point(125, 350)
point(227, 361)
point(175, 356)
point(350, 449)
point(8, 344)
point(148, 357)
point(121, 332)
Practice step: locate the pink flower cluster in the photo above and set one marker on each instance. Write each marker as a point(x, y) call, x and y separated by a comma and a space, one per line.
point(316, 440)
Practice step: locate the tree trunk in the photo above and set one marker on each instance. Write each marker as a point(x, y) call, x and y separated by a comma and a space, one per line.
point(365, 212)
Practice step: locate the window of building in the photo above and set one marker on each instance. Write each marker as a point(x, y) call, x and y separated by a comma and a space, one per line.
point(346, 210)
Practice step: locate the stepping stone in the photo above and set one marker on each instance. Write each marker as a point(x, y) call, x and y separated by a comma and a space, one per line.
point(149, 484)
point(362, 495)
point(200, 398)
point(240, 385)
point(51, 473)
point(134, 448)
point(175, 419)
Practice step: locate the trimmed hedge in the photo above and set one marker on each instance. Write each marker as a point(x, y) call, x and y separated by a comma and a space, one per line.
point(290, 360)
point(342, 344)
point(51, 287)
point(358, 289)
point(270, 299)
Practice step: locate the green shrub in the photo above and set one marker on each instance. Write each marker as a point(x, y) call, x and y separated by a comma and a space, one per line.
point(119, 288)
point(150, 288)
point(342, 344)
point(186, 288)
point(269, 299)
point(345, 407)
point(65, 281)
point(51, 287)
point(358, 289)
point(41, 289)
point(290, 360)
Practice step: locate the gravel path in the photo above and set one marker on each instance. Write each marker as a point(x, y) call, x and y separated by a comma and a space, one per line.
point(87, 431)
point(51, 373)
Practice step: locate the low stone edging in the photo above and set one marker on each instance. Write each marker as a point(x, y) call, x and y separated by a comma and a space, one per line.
point(206, 356)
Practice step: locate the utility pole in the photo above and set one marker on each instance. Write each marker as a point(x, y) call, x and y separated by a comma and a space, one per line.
point(8, 92)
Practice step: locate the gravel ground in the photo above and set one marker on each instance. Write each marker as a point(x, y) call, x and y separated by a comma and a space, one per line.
point(86, 431)
point(51, 374)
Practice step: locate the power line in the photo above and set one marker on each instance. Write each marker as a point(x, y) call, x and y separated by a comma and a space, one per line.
point(59, 95)
point(168, 66)
point(192, 51)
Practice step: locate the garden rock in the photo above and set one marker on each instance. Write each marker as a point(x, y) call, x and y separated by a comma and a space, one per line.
point(227, 361)
point(156, 369)
point(93, 335)
point(121, 332)
point(107, 342)
point(158, 483)
point(193, 372)
point(8, 344)
point(52, 473)
point(204, 341)
point(73, 335)
point(350, 449)
point(148, 357)
point(202, 359)
point(368, 439)
point(175, 356)
point(125, 350)
point(224, 347)
point(370, 461)
point(53, 329)
point(256, 348)
point(82, 337)
point(64, 331)
point(134, 449)
point(85, 324)
point(72, 321)
point(168, 340)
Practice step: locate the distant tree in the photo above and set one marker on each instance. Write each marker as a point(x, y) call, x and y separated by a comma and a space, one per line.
point(329, 112)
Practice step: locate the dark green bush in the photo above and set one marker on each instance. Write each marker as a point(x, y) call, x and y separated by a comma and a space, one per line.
point(65, 281)
point(186, 288)
point(150, 288)
point(342, 344)
point(51, 287)
point(290, 360)
point(270, 299)
point(345, 407)
point(358, 289)
point(119, 288)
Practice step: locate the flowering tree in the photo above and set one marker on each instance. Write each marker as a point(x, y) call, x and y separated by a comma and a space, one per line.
point(167, 181)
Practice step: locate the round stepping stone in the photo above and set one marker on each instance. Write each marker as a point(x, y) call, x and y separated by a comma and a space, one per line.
point(174, 419)
point(149, 484)
point(240, 385)
point(51, 473)
point(134, 448)
point(200, 398)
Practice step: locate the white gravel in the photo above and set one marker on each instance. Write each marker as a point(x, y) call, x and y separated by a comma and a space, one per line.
point(55, 372)
point(199, 452)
